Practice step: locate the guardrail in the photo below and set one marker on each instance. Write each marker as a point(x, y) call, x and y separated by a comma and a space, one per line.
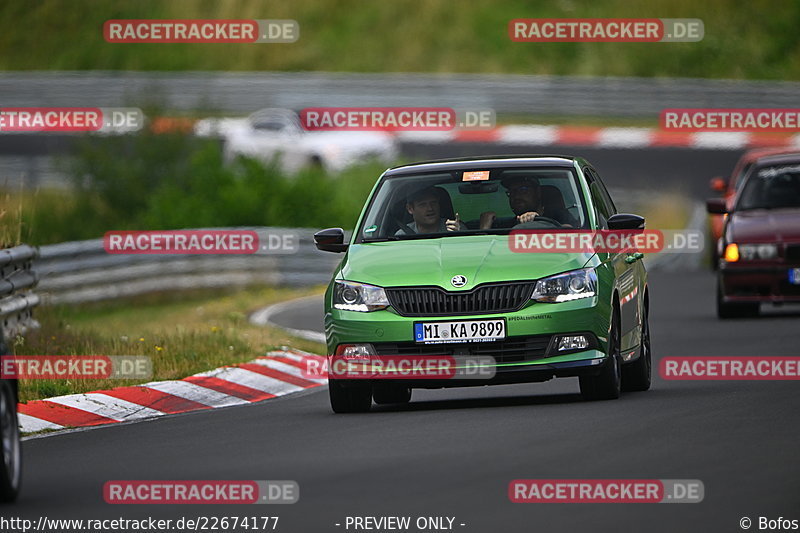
point(82, 271)
point(244, 92)
point(16, 299)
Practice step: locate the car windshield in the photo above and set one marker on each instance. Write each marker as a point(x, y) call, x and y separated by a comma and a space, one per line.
point(473, 201)
point(771, 187)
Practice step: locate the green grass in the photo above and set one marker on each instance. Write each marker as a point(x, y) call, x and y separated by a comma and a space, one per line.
point(743, 40)
point(183, 333)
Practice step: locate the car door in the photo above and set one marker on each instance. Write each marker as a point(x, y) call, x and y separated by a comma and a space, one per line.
point(627, 268)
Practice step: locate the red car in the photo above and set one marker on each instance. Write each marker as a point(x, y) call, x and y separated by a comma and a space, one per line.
point(760, 244)
point(728, 190)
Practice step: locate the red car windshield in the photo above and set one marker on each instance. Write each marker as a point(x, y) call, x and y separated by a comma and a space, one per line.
point(771, 187)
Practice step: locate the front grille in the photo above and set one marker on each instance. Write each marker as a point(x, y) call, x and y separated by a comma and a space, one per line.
point(483, 299)
point(512, 350)
point(793, 253)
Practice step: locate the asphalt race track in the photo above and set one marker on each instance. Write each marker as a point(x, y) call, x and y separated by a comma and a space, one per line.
point(453, 453)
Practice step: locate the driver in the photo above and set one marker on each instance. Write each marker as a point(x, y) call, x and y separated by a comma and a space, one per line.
point(425, 210)
point(525, 200)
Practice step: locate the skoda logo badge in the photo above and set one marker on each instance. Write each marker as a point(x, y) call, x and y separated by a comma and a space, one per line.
point(458, 281)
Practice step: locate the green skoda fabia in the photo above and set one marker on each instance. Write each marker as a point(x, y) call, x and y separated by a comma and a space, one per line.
point(433, 272)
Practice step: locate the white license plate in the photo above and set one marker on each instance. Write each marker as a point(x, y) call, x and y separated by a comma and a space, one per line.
point(794, 276)
point(460, 331)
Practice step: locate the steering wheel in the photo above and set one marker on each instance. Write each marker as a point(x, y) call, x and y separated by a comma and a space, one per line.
point(537, 221)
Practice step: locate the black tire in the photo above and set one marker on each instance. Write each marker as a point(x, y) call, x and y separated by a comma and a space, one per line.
point(349, 397)
point(391, 394)
point(636, 376)
point(606, 385)
point(734, 310)
point(11, 464)
point(713, 257)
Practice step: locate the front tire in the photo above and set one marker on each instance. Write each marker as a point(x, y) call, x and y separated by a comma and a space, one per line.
point(607, 385)
point(11, 464)
point(349, 397)
point(636, 376)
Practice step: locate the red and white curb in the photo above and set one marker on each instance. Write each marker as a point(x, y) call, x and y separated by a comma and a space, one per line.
point(538, 135)
point(276, 374)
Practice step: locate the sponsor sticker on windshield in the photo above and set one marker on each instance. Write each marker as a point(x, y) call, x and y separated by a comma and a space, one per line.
point(475, 175)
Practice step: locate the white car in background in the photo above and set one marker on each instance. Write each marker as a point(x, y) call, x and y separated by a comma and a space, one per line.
point(278, 132)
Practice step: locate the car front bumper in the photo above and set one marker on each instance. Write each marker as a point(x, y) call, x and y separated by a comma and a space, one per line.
point(763, 283)
point(527, 354)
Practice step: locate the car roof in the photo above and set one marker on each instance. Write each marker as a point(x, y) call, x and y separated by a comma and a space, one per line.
point(485, 162)
point(758, 153)
point(792, 157)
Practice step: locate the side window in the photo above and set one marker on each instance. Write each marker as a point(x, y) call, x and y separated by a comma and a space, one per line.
point(602, 205)
point(612, 209)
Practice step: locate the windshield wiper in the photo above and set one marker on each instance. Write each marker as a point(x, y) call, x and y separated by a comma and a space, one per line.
point(381, 239)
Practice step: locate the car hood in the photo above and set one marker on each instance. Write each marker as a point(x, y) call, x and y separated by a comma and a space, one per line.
point(761, 225)
point(481, 258)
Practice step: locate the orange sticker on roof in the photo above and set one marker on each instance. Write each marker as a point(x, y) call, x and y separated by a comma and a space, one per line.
point(476, 175)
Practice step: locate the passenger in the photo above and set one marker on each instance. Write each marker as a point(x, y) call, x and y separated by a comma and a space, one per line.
point(424, 208)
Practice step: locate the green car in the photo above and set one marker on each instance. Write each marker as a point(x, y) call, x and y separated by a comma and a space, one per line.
point(433, 271)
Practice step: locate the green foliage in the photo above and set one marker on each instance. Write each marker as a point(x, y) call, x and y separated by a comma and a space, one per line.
point(757, 39)
point(173, 181)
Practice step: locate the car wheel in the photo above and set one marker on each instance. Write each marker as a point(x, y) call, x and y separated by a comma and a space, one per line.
point(607, 384)
point(350, 397)
point(11, 465)
point(734, 310)
point(636, 376)
point(387, 394)
point(713, 257)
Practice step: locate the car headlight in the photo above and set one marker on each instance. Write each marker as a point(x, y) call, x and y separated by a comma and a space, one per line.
point(352, 296)
point(565, 287)
point(749, 252)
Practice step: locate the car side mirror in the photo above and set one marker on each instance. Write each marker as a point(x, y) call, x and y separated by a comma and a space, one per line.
point(625, 221)
point(716, 206)
point(718, 184)
point(330, 240)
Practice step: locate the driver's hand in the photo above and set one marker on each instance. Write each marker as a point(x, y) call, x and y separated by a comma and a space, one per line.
point(527, 217)
point(487, 219)
point(453, 225)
